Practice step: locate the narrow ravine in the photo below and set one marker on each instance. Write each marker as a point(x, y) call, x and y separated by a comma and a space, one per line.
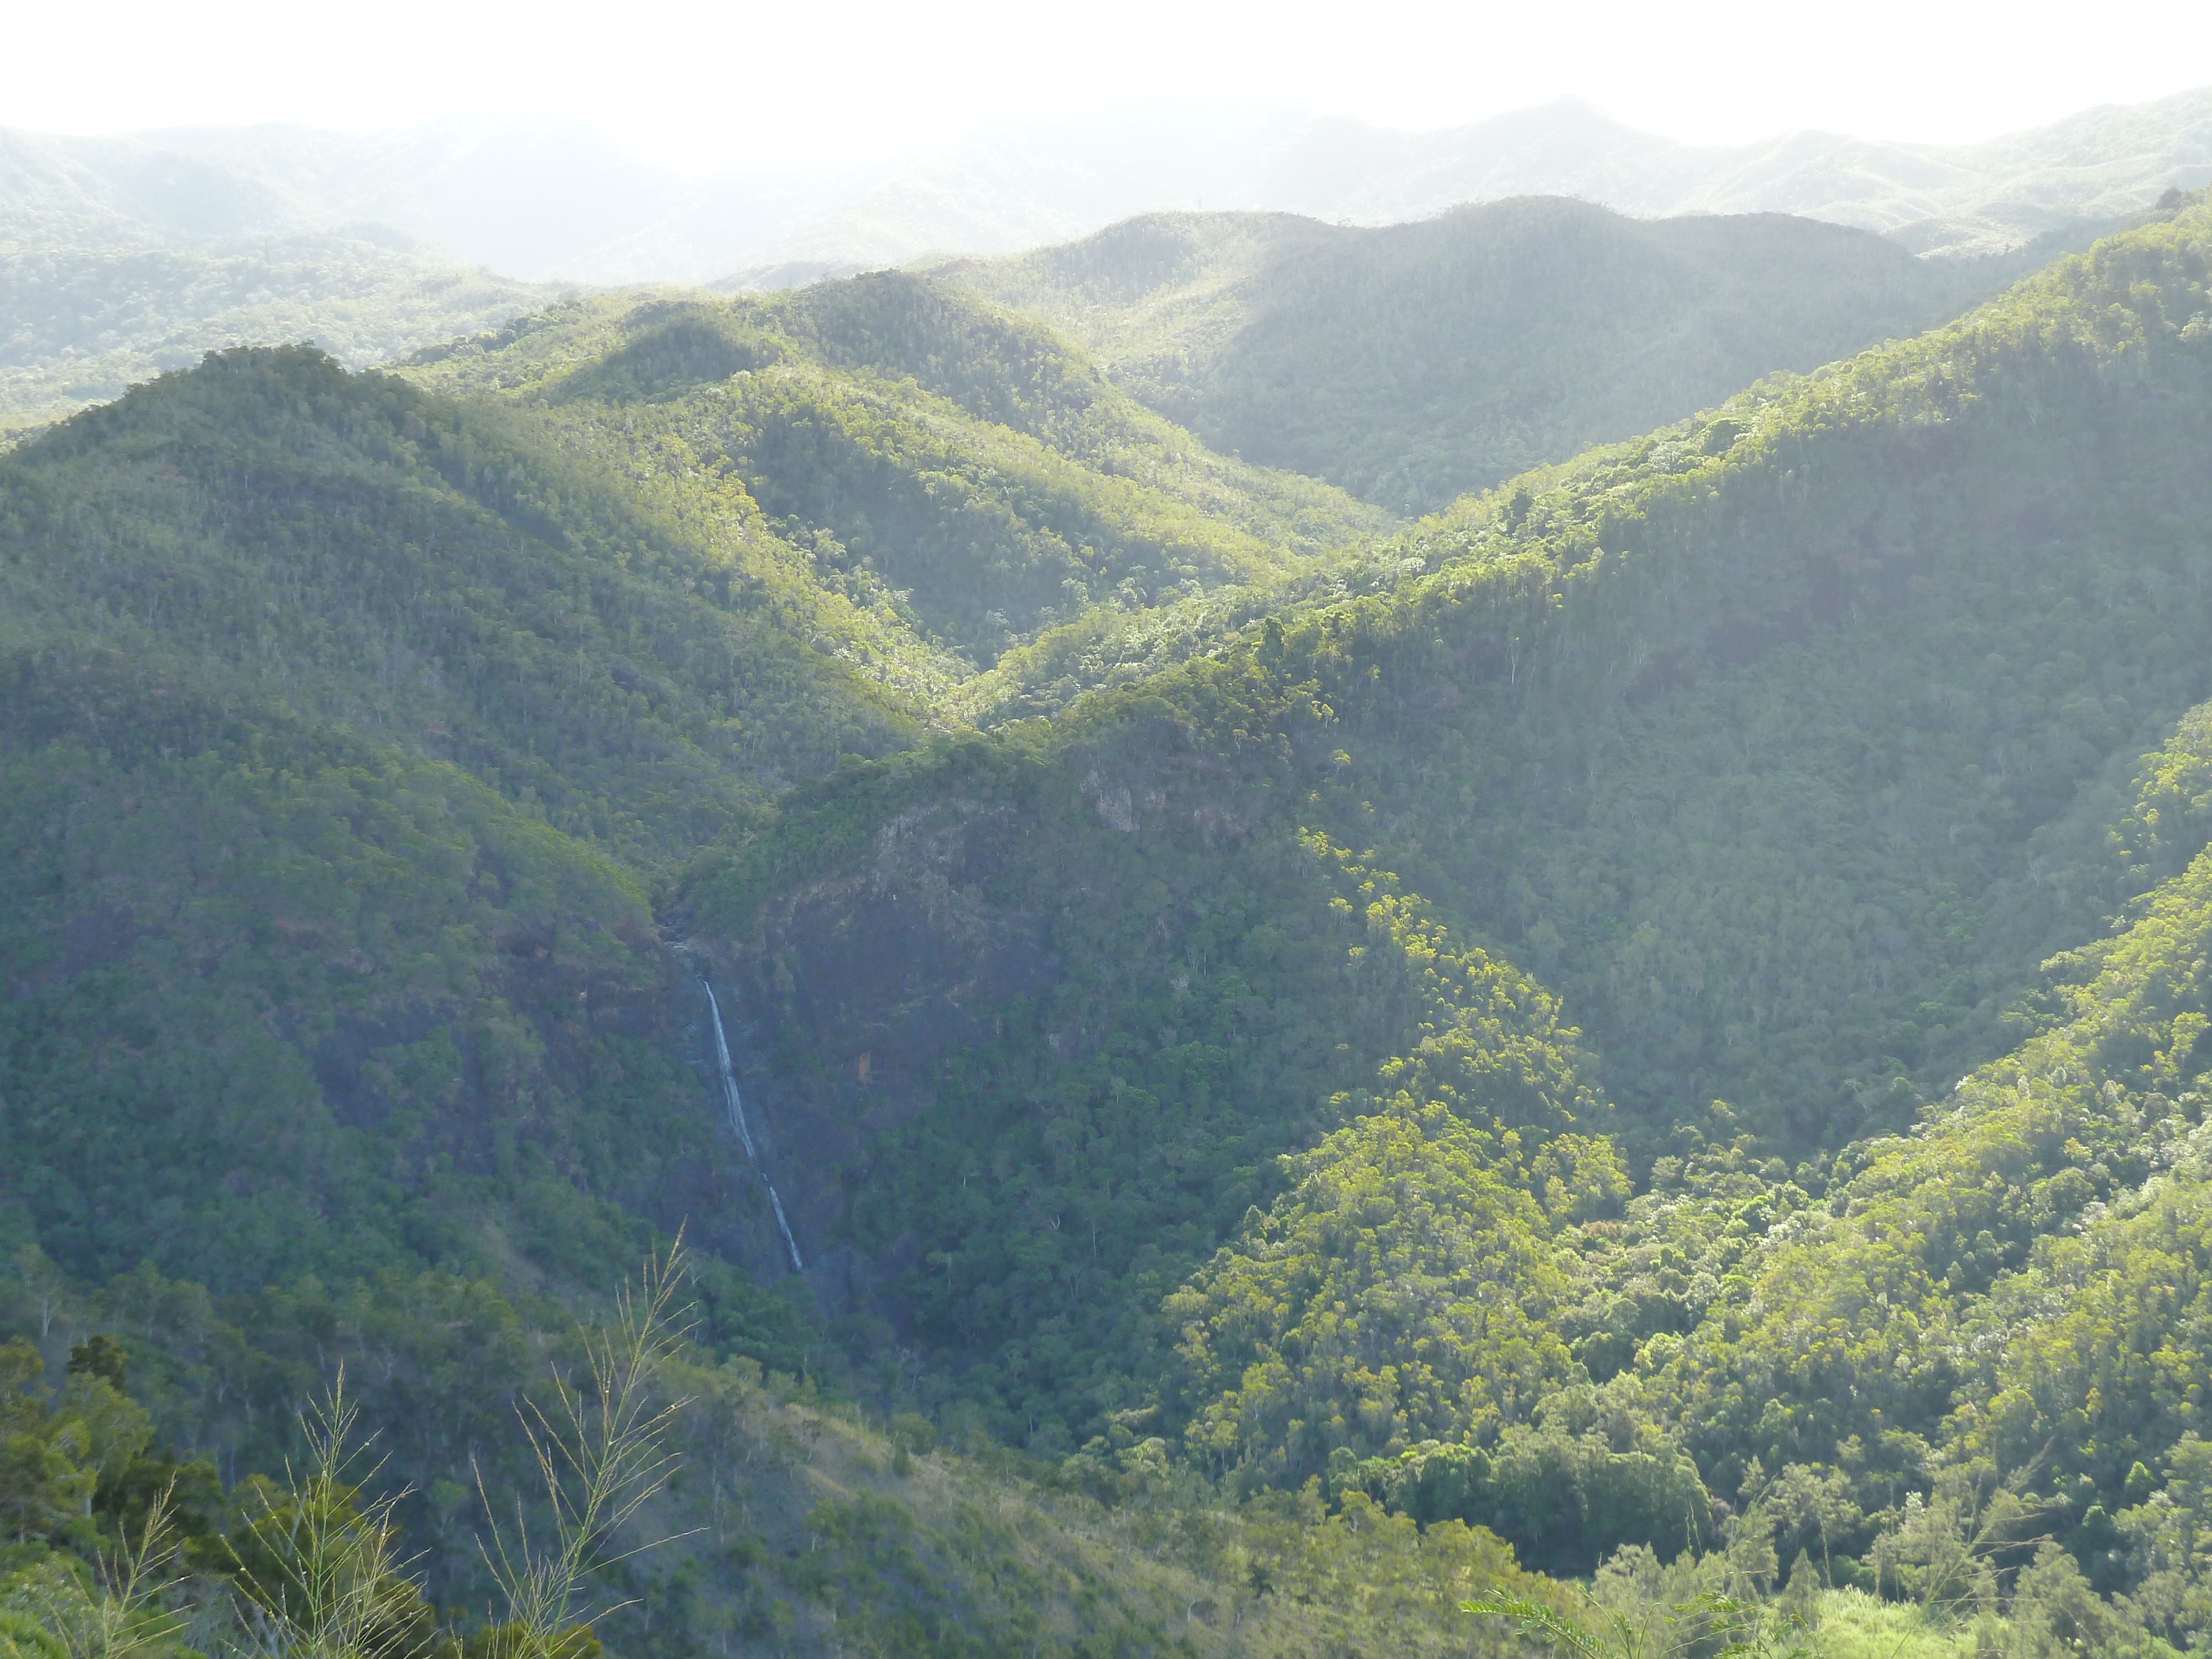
point(736, 1104)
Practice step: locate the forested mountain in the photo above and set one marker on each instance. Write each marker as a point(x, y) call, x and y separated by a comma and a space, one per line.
point(86, 320)
point(374, 716)
point(349, 730)
point(961, 477)
point(1416, 362)
point(552, 631)
point(1786, 743)
point(1646, 1026)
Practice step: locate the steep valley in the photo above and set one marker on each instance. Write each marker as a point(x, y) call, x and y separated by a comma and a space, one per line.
point(1262, 1071)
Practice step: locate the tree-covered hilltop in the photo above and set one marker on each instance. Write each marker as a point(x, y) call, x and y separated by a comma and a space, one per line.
point(1412, 363)
point(966, 475)
point(356, 550)
point(345, 728)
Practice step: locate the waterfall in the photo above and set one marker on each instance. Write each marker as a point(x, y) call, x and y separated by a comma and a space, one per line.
point(789, 1242)
point(736, 1105)
point(731, 1098)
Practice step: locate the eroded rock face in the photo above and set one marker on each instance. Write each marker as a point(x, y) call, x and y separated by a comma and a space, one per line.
point(851, 990)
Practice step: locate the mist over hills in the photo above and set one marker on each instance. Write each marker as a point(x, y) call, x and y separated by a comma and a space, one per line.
point(546, 199)
point(1934, 199)
point(86, 321)
point(1981, 197)
point(119, 259)
point(123, 256)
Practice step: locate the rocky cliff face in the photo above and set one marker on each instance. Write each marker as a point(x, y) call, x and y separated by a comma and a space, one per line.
point(847, 995)
point(851, 990)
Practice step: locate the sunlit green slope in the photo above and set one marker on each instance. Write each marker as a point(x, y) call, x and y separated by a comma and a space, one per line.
point(963, 480)
point(1414, 362)
point(1441, 1042)
point(356, 551)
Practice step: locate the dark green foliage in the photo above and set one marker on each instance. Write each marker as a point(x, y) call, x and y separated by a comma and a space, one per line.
point(314, 682)
point(1562, 1496)
point(101, 1356)
point(283, 1000)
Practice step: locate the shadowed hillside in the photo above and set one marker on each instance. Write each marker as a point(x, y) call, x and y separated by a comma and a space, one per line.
point(1413, 363)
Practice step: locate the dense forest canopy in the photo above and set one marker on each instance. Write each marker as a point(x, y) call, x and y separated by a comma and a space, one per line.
point(1269, 1070)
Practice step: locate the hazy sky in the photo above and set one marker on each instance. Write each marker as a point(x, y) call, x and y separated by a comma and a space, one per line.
point(799, 80)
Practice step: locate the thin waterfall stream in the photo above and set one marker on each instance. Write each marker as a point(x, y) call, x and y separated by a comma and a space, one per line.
point(736, 1104)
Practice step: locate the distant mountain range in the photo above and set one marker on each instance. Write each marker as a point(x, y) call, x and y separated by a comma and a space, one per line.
point(1410, 363)
point(546, 199)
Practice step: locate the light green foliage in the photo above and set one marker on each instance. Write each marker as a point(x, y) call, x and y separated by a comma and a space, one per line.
point(22, 1637)
point(1890, 1288)
point(2168, 1537)
point(1401, 1290)
point(44, 1453)
point(1854, 1624)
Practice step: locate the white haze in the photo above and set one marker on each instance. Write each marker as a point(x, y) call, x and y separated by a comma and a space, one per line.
point(710, 87)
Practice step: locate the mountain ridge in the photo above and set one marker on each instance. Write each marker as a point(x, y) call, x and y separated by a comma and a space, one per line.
point(1413, 363)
